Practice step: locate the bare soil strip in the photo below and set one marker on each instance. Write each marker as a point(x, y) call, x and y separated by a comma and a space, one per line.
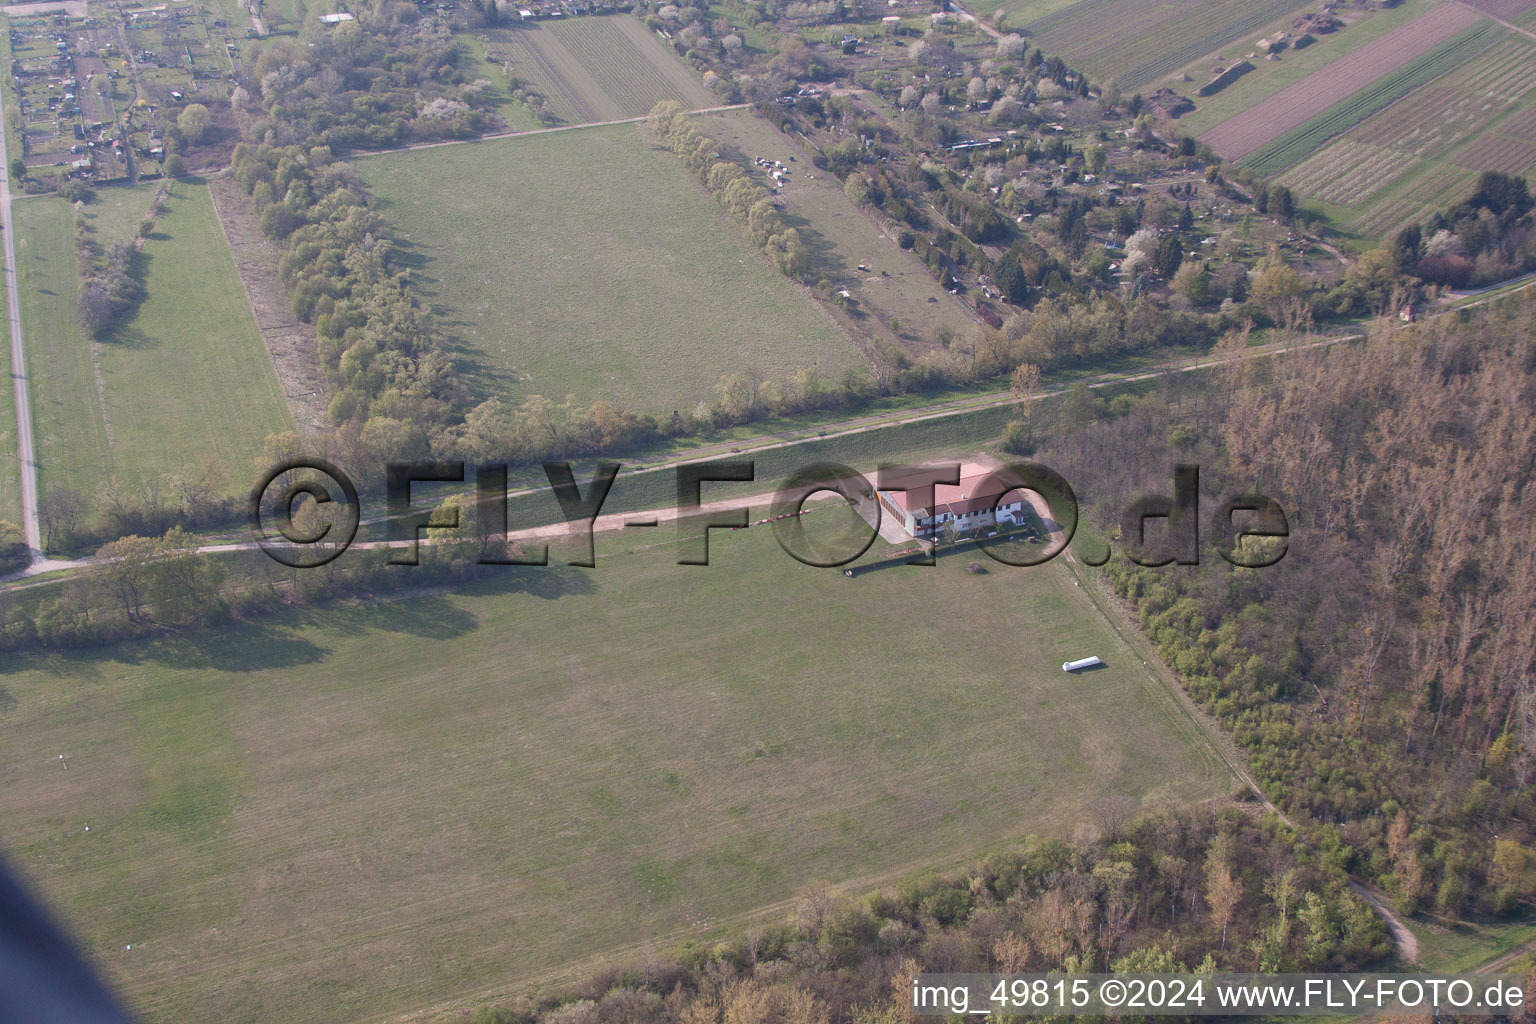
point(289, 340)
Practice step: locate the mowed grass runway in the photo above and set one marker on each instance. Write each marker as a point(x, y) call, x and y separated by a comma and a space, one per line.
point(183, 378)
point(585, 262)
point(374, 810)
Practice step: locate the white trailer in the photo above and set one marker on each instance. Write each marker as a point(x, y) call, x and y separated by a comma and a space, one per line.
point(1073, 666)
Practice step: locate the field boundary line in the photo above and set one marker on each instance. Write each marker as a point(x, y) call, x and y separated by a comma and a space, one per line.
point(26, 456)
point(360, 153)
point(1492, 17)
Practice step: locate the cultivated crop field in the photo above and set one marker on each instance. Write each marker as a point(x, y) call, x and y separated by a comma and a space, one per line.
point(1472, 118)
point(586, 262)
point(183, 378)
point(1509, 10)
point(595, 68)
point(1297, 143)
point(1141, 41)
point(1497, 154)
point(1344, 79)
point(1413, 198)
point(1440, 116)
point(368, 810)
point(841, 238)
point(1348, 172)
point(1269, 77)
point(1521, 125)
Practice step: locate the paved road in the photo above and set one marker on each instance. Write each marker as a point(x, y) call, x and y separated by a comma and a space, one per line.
point(28, 465)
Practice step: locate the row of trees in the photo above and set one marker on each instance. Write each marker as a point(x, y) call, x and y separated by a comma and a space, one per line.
point(750, 203)
point(1169, 891)
point(109, 284)
point(380, 348)
point(140, 585)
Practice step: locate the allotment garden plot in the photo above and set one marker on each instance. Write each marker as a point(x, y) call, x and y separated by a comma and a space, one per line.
point(595, 68)
point(585, 262)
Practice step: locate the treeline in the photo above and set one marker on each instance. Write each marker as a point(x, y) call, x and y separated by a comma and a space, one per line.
point(381, 352)
point(1173, 891)
point(195, 499)
point(1480, 241)
point(1381, 676)
point(750, 203)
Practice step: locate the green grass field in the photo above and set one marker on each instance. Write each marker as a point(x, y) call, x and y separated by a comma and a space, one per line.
point(585, 262)
point(368, 810)
point(1022, 12)
point(841, 237)
point(185, 377)
point(1447, 945)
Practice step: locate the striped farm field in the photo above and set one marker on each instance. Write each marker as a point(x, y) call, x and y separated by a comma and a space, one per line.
point(1458, 119)
point(595, 68)
point(1141, 41)
point(1436, 188)
point(1296, 144)
point(1347, 172)
point(1521, 125)
point(1438, 117)
point(1293, 107)
point(1509, 10)
point(1495, 153)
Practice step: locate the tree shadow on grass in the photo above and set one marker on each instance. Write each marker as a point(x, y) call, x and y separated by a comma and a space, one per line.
point(406, 253)
point(240, 647)
point(432, 614)
point(432, 617)
point(245, 647)
point(823, 254)
point(130, 337)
